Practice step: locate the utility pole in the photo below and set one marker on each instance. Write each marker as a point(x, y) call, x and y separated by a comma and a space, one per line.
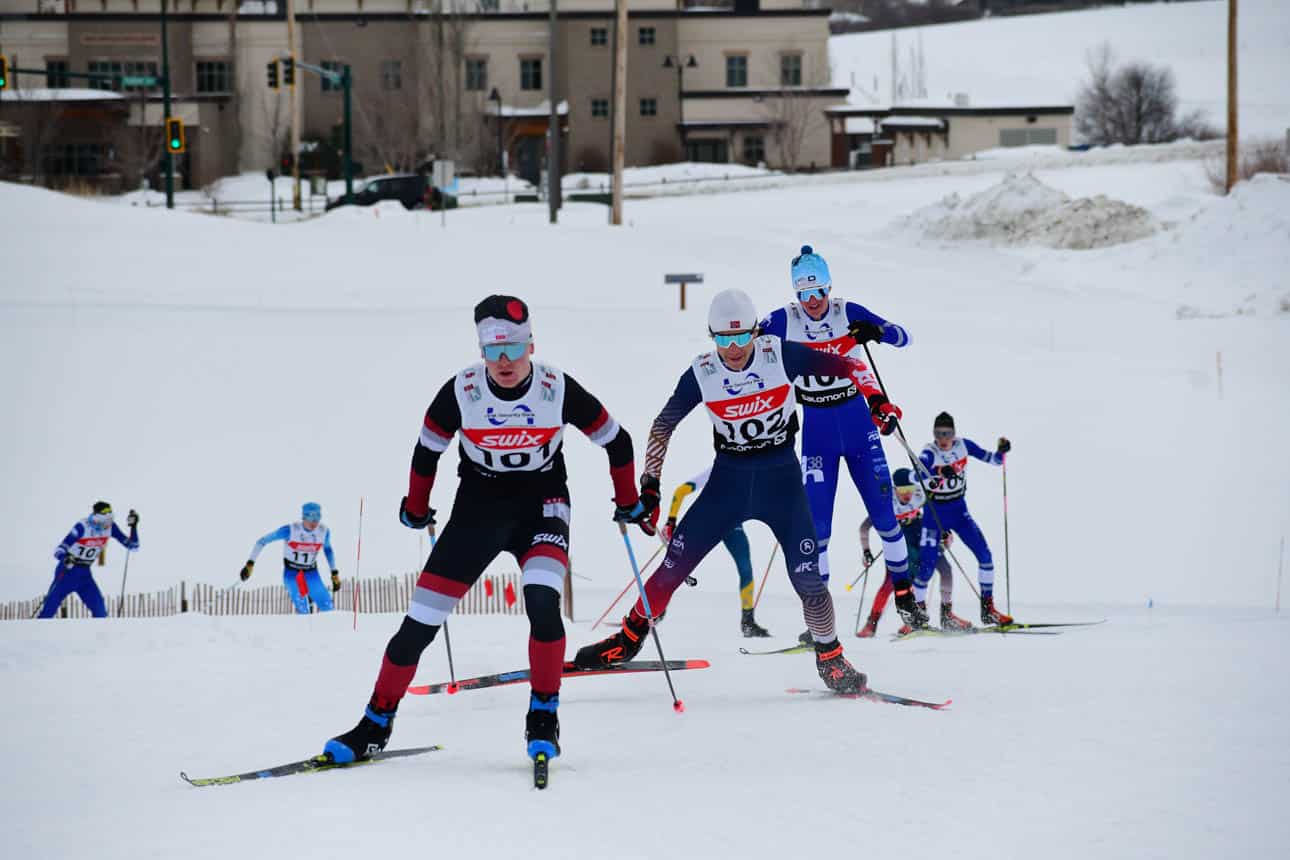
point(1233, 139)
point(295, 110)
point(165, 106)
point(553, 150)
point(620, 109)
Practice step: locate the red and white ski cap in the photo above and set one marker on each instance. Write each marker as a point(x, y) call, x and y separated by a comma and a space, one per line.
point(502, 319)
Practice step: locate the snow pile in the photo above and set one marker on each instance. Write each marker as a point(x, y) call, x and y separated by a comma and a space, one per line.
point(1021, 210)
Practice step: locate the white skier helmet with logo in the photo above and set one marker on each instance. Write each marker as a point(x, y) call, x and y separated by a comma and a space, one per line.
point(731, 310)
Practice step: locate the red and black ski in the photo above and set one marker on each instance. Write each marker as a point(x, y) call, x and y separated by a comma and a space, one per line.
point(569, 671)
point(876, 696)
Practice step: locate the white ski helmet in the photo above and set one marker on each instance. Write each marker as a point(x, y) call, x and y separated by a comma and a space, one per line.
point(731, 310)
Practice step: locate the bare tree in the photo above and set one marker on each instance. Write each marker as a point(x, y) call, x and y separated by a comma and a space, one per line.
point(39, 121)
point(277, 126)
point(136, 151)
point(795, 116)
point(1131, 103)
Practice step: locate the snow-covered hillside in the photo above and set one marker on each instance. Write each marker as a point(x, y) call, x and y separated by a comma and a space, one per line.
point(1040, 59)
point(214, 374)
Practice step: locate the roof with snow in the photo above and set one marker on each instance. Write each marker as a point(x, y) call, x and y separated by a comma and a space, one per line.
point(542, 109)
point(45, 94)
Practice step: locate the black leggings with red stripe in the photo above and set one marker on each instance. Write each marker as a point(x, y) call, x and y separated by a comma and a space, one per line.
point(536, 532)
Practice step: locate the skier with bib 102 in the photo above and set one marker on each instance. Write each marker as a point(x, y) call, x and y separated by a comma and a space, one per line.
point(745, 385)
point(835, 413)
point(302, 541)
point(508, 413)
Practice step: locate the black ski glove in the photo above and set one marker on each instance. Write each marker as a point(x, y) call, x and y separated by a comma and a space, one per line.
point(644, 512)
point(246, 570)
point(412, 521)
point(946, 472)
point(1004, 445)
point(335, 581)
point(868, 558)
point(864, 331)
point(132, 518)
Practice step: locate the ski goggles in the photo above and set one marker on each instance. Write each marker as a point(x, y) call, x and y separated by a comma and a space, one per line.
point(943, 433)
point(513, 351)
point(812, 293)
point(101, 520)
point(743, 338)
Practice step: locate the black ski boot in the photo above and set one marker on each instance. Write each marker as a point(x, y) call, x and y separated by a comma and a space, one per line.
point(909, 609)
point(370, 736)
point(619, 648)
point(750, 628)
point(805, 638)
point(542, 725)
point(991, 615)
point(950, 621)
point(838, 674)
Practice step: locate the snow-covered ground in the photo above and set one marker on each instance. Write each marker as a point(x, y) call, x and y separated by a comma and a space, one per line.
point(1041, 59)
point(214, 374)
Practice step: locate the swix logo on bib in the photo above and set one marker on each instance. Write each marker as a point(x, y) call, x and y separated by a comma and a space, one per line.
point(826, 335)
point(300, 552)
point(761, 413)
point(941, 488)
point(88, 547)
point(511, 435)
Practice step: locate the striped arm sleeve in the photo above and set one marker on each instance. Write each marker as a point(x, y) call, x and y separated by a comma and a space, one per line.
point(680, 404)
point(442, 420)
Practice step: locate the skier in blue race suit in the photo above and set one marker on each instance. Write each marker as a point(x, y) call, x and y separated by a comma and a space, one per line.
point(76, 555)
point(745, 387)
point(946, 459)
point(302, 541)
point(835, 416)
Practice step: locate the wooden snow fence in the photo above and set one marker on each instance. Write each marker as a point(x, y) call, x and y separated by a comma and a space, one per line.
point(492, 595)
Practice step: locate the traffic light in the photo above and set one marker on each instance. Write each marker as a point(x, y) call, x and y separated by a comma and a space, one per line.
point(272, 69)
point(4, 73)
point(175, 135)
point(288, 71)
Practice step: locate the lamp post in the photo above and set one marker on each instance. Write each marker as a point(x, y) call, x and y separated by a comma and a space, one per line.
point(670, 62)
point(495, 96)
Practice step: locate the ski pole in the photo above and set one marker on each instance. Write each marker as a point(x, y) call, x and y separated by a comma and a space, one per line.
point(864, 573)
point(133, 520)
point(773, 551)
point(920, 470)
point(358, 562)
point(677, 704)
point(611, 606)
point(447, 639)
point(1007, 566)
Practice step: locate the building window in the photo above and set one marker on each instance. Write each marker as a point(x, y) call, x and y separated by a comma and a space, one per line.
point(140, 69)
point(56, 74)
point(649, 107)
point(476, 73)
point(600, 108)
point(214, 76)
point(646, 35)
point(74, 159)
point(531, 73)
point(488, 5)
point(599, 36)
point(332, 66)
point(790, 70)
point(754, 149)
point(1027, 136)
point(391, 75)
point(737, 70)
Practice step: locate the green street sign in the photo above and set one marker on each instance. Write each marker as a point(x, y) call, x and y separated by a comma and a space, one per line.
point(138, 81)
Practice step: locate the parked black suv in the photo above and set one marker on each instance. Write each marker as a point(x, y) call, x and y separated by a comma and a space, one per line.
point(413, 190)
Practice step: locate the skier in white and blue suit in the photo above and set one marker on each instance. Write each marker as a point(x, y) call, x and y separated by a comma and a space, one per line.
point(76, 555)
point(302, 542)
point(835, 417)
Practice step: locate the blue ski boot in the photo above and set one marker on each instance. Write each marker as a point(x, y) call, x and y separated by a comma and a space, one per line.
point(542, 726)
point(370, 736)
